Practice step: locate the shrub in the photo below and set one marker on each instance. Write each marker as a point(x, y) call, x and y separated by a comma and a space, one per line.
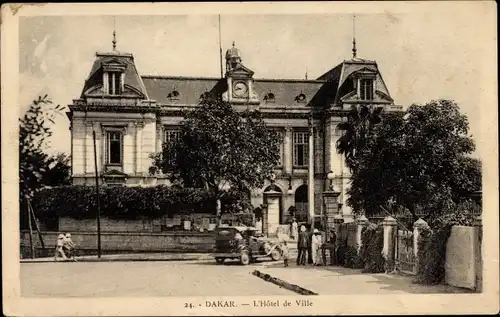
point(431, 255)
point(372, 238)
point(79, 202)
point(352, 259)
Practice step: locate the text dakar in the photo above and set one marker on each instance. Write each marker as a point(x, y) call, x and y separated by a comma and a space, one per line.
point(220, 303)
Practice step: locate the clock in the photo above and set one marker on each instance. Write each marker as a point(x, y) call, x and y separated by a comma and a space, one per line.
point(240, 89)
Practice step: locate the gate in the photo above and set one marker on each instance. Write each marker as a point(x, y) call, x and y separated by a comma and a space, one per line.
point(404, 254)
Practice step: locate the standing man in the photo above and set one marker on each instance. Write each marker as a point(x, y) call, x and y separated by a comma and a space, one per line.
point(333, 247)
point(302, 245)
point(309, 246)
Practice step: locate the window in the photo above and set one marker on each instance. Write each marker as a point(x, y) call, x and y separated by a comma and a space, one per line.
point(300, 148)
point(171, 135)
point(366, 89)
point(114, 147)
point(114, 83)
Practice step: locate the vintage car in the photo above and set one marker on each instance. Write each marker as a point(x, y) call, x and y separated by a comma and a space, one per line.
point(244, 244)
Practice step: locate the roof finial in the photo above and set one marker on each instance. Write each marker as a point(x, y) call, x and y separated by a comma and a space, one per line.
point(114, 34)
point(233, 43)
point(354, 50)
point(306, 70)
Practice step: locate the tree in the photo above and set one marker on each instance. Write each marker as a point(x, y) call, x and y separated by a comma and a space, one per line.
point(418, 159)
point(355, 131)
point(34, 134)
point(58, 172)
point(220, 148)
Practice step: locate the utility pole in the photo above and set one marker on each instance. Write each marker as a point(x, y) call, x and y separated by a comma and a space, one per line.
point(31, 233)
point(310, 187)
point(97, 199)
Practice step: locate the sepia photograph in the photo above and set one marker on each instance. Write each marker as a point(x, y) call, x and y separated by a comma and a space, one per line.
point(250, 158)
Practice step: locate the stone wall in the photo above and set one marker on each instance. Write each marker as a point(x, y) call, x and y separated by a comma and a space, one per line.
point(130, 241)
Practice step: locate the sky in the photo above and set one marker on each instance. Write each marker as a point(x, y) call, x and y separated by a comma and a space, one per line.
point(421, 57)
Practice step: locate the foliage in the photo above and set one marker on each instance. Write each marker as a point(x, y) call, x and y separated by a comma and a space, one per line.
point(220, 148)
point(352, 259)
point(372, 238)
point(356, 131)
point(34, 133)
point(79, 202)
point(431, 255)
point(58, 172)
point(417, 159)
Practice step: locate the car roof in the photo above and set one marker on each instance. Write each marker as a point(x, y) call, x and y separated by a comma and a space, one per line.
point(239, 228)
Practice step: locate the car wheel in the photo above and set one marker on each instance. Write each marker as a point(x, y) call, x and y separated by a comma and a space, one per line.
point(245, 258)
point(219, 260)
point(276, 255)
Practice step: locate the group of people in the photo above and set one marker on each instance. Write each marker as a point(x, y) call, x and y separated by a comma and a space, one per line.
point(65, 247)
point(309, 242)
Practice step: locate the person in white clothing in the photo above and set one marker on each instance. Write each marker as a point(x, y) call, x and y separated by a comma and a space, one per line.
point(316, 247)
point(258, 225)
point(295, 229)
point(60, 248)
point(69, 246)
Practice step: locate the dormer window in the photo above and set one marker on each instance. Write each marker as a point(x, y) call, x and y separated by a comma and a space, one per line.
point(366, 89)
point(174, 95)
point(113, 78)
point(301, 98)
point(269, 97)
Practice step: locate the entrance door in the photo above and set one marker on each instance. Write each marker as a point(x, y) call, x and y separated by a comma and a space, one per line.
point(276, 189)
point(301, 203)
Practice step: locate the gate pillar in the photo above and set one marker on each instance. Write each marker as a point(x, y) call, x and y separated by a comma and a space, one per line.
point(390, 225)
point(361, 223)
point(273, 212)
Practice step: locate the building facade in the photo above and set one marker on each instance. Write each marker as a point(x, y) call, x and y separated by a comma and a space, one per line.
point(132, 115)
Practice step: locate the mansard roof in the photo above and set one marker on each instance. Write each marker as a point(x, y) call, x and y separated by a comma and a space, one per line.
point(190, 89)
point(339, 75)
point(116, 59)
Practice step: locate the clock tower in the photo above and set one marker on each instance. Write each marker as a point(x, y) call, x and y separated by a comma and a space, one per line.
point(239, 80)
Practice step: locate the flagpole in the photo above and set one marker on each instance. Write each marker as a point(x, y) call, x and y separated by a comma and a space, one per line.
point(310, 187)
point(98, 212)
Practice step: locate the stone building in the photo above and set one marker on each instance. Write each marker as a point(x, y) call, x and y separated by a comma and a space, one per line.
point(132, 115)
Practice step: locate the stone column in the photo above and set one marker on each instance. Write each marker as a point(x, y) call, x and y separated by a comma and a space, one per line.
point(159, 136)
point(273, 212)
point(88, 153)
point(331, 209)
point(288, 150)
point(138, 147)
point(128, 146)
point(418, 227)
point(122, 82)
point(361, 223)
point(265, 223)
point(105, 83)
point(478, 259)
point(389, 224)
point(113, 88)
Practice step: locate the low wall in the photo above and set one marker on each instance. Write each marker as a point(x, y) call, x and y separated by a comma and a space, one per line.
point(107, 225)
point(461, 253)
point(130, 241)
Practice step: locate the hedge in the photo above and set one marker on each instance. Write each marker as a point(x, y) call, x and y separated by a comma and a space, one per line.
point(431, 255)
point(79, 202)
point(372, 238)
